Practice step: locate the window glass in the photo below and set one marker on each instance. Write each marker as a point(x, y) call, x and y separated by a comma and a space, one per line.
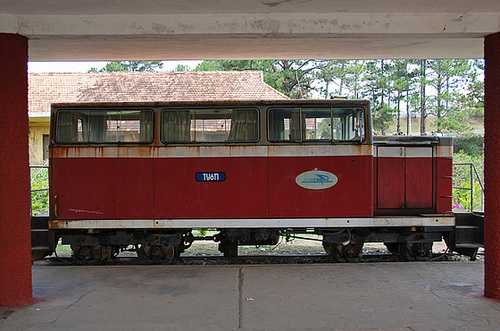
point(315, 124)
point(210, 125)
point(348, 124)
point(318, 124)
point(284, 124)
point(125, 126)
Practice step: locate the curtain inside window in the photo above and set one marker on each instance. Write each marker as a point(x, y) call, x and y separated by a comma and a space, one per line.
point(277, 128)
point(176, 126)
point(98, 128)
point(146, 126)
point(67, 126)
point(295, 132)
point(244, 126)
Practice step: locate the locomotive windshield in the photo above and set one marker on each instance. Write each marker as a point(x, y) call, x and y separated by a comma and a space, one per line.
point(316, 124)
point(102, 126)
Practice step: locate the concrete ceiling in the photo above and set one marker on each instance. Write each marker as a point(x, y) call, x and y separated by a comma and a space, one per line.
point(251, 29)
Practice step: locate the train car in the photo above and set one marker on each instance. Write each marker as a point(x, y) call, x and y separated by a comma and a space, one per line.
point(145, 175)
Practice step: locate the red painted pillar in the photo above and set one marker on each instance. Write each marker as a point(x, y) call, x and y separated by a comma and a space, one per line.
point(492, 166)
point(15, 236)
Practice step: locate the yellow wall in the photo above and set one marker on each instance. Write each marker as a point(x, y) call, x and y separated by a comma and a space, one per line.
point(38, 127)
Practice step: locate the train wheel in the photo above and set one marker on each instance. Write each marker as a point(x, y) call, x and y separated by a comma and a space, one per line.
point(405, 253)
point(86, 254)
point(109, 252)
point(400, 250)
point(421, 250)
point(352, 251)
point(160, 254)
point(329, 247)
point(334, 250)
point(410, 251)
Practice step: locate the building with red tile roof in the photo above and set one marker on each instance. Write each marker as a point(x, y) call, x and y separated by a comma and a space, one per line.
point(47, 88)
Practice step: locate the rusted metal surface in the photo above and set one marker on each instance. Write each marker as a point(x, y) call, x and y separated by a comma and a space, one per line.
point(288, 102)
point(321, 150)
point(209, 151)
point(102, 152)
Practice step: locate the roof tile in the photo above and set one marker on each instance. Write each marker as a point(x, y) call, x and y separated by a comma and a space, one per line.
point(45, 89)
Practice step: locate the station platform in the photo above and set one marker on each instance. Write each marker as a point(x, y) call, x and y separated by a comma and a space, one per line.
point(383, 296)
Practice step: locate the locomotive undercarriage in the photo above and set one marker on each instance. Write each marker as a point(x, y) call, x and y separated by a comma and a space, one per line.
point(160, 245)
point(343, 244)
point(406, 243)
point(90, 247)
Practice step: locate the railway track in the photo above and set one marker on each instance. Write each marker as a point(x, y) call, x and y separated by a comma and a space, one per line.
point(254, 259)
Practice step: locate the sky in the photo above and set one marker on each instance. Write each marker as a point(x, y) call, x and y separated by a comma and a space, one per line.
point(39, 67)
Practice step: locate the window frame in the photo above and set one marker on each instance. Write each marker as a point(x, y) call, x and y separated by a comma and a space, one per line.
point(107, 143)
point(207, 143)
point(330, 141)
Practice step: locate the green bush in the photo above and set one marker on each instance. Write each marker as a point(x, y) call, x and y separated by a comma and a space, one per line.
point(461, 178)
point(39, 199)
point(471, 145)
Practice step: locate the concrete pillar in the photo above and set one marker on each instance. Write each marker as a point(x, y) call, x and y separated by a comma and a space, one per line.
point(492, 166)
point(15, 237)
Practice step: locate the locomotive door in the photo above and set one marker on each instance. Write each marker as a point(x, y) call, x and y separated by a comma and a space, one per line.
point(404, 177)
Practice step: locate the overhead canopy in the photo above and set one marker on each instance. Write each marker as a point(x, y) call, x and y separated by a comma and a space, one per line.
point(258, 29)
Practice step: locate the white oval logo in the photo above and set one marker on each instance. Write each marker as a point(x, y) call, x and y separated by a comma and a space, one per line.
point(316, 180)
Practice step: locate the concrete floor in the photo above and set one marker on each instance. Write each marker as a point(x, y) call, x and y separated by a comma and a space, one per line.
point(389, 296)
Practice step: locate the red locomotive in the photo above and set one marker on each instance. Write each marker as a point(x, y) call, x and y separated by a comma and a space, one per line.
point(148, 174)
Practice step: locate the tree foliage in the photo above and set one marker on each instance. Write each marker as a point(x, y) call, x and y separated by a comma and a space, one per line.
point(291, 77)
point(130, 66)
point(449, 90)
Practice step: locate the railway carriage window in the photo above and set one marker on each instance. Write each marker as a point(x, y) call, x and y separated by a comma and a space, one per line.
point(97, 127)
point(244, 125)
point(122, 126)
point(285, 124)
point(315, 124)
point(318, 124)
point(69, 127)
point(177, 126)
point(210, 125)
point(350, 124)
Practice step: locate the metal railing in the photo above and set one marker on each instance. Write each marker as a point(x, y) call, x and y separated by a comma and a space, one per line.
point(473, 174)
point(32, 176)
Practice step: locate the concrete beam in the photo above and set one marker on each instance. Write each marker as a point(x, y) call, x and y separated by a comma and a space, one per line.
point(203, 47)
point(332, 24)
point(352, 35)
point(8, 23)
